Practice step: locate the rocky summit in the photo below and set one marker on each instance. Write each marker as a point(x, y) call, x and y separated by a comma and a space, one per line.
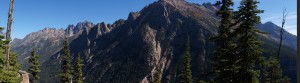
point(128, 51)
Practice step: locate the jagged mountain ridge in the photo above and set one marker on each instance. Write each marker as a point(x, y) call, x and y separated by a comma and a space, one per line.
point(153, 37)
point(48, 41)
point(45, 41)
point(130, 39)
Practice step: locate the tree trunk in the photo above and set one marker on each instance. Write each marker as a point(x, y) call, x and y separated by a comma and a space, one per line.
point(281, 31)
point(8, 30)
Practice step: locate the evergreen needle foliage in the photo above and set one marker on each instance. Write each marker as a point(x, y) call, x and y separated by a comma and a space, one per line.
point(34, 68)
point(249, 52)
point(224, 59)
point(272, 72)
point(77, 73)
point(10, 74)
point(186, 74)
point(66, 71)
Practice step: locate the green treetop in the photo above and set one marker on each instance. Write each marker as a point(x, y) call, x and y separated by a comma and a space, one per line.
point(77, 73)
point(66, 71)
point(248, 46)
point(224, 59)
point(34, 68)
point(186, 74)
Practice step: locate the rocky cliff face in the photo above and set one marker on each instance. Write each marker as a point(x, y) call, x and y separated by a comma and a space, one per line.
point(72, 30)
point(24, 75)
point(47, 41)
point(81, 43)
point(153, 37)
point(128, 51)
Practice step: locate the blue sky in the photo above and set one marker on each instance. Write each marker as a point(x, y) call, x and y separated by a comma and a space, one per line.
point(34, 15)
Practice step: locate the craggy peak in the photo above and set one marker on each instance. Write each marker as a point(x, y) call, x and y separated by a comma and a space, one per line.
point(173, 2)
point(156, 41)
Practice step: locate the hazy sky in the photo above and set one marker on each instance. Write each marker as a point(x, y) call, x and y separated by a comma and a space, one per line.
point(34, 15)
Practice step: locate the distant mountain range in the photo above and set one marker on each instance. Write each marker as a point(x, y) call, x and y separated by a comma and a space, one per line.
point(128, 51)
point(289, 39)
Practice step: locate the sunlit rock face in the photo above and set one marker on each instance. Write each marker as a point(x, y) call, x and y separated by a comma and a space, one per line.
point(24, 75)
point(47, 42)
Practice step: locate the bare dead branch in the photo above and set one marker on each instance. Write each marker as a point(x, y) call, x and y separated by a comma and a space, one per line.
point(284, 15)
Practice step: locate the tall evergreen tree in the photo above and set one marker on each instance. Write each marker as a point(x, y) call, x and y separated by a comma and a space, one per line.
point(8, 68)
point(8, 74)
point(77, 73)
point(224, 59)
point(186, 74)
point(248, 46)
point(34, 68)
point(2, 50)
point(66, 71)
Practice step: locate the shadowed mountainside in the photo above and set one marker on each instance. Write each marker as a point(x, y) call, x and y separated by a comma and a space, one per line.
point(128, 51)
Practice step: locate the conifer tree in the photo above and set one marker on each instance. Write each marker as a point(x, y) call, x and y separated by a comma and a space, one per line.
point(9, 65)
point(248, 46)
point(272, 72)
point(66, 71)
point(14, 64)
point(77, 73)
point(186, 74)
point(9, 74)
point(224, 58)
point(2, 50)
point(157, 76)
point(34, 68)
